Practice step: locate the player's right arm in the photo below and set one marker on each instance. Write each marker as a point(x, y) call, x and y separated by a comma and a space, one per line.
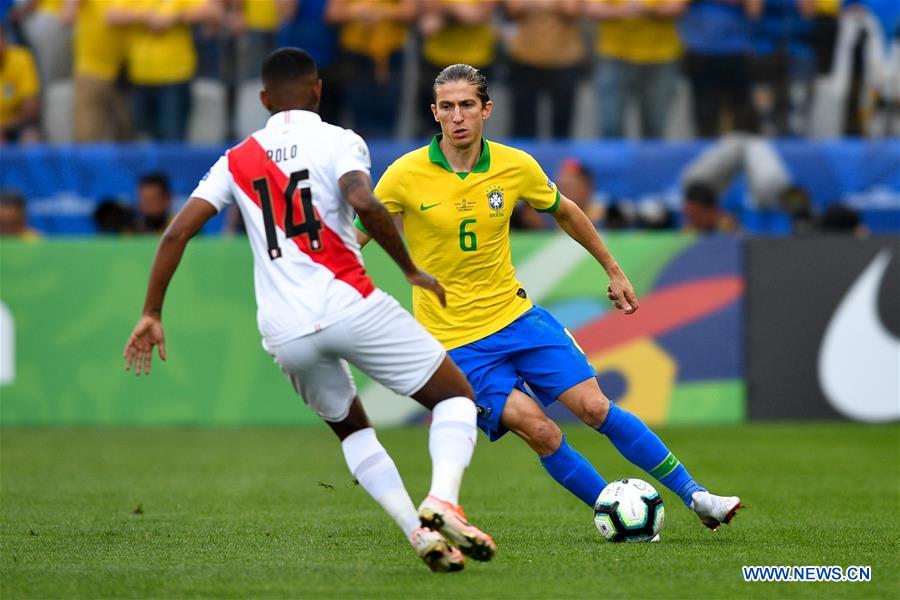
point(213, 193)
point(356, 188)
point(149, 330)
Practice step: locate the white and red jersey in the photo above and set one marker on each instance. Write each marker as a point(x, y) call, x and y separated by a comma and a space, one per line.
point(308, 271)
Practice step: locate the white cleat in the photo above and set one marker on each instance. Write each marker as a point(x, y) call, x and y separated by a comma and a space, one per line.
point(433, 548)
point(714, 510)
point(655, 539)
point(450, 520)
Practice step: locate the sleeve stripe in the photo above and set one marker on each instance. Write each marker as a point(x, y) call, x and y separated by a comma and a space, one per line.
point(551, 208)
point(360, 226)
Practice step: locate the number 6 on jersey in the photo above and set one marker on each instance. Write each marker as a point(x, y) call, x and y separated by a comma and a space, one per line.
point(311, 226)
point(467, 240)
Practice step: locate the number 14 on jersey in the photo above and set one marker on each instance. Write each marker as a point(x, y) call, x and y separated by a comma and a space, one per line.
point(311, 226)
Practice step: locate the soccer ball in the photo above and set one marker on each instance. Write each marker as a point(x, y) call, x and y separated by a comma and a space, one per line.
point(629, 510)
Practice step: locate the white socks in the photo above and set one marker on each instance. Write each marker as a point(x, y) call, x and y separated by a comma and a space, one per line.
point(451, 442)
point(373, 468)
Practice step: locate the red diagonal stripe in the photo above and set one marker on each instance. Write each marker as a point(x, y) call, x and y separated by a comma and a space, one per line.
point(248, 162)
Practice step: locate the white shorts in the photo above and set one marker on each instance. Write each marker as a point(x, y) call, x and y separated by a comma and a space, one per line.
point(383, 340)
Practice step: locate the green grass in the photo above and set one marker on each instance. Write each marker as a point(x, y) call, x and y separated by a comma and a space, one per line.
point(273, 513)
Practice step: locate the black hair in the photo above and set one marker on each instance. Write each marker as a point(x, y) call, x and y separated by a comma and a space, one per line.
point(112, 216)
point(12, 198)
point(839, 218)
point(461, 72)
point(157, 178)
point(288, 64)
point(702, 194)
point(615, 217)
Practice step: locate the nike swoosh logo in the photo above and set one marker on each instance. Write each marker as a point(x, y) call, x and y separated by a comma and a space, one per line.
point(859, 361)
point(423, 208)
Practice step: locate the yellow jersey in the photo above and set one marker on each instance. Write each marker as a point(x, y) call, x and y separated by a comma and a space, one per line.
point(100, 48)
point(167, 57)
point(52, 7)
point(457, 228)
point(644, 40)
point(377, 40)
point(830, 8)
point(460, 43)
point(261, 15)
point(18, 81)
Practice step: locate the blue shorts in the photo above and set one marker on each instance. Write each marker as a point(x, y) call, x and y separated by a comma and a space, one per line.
point(535, 349)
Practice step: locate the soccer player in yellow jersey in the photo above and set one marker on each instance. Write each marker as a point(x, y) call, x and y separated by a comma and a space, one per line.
point(455, 197)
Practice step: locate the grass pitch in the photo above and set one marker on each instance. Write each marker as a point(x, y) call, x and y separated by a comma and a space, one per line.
point(274, 513)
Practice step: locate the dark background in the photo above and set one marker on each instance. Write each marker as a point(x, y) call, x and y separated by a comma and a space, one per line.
point(793, 288)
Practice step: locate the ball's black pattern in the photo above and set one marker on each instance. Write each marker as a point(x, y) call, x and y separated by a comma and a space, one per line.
point(624, 533)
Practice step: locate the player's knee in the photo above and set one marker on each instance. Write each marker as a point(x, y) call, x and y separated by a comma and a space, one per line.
point(355, 420)
point(594, 411)
point(544, 436)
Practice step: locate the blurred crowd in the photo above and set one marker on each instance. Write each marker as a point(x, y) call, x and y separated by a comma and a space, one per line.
point(176, 70)
point(699, 210)
point(150, 212)
point(703, 184)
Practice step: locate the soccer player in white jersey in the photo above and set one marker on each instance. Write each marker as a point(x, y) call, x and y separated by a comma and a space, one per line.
point(297, 182)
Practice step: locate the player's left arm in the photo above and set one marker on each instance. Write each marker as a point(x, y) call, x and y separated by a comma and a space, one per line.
point(356, 188)
point(575, 223)
point(149, 330)
point(388, 191)
point(363, 238)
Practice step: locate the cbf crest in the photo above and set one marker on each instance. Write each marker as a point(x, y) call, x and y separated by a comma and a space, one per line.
point(495, 199)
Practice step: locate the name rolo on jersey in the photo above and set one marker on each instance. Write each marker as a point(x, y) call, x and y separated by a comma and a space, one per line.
point(308, 270)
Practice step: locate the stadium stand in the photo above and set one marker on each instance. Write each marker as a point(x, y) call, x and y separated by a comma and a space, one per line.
point(839, 61)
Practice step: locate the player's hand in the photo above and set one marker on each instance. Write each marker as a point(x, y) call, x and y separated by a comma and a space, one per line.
point(622, 294)
point(427, 281)
point(139, 348)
